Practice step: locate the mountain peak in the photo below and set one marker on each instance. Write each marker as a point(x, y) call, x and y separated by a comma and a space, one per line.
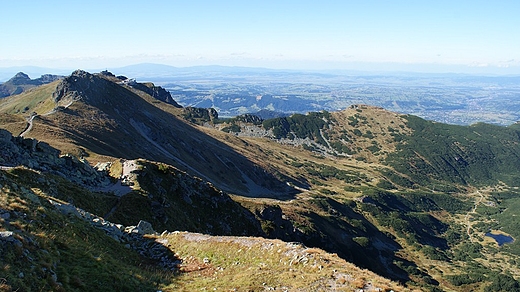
point(21, 75)
point(21, 82)
point(74, 87)
point(20, 79)
point(93, 88)
point(80, 73)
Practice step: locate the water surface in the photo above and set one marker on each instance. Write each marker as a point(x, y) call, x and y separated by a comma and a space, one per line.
point(501, 239)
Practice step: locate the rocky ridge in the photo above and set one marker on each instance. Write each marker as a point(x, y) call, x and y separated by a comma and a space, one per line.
point(156, 92)
point(22, 82)
point(31, 153)
point(115, 119)
point(133, 237)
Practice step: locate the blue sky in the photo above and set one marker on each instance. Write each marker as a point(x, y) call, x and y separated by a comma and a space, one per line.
point(451, 36)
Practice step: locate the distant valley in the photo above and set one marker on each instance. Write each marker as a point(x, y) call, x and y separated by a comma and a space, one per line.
point(448, 98)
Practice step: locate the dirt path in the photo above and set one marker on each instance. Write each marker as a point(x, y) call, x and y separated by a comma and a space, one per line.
point(123, 186)
point(467, 218)
point(34, 114)
point(29, 124)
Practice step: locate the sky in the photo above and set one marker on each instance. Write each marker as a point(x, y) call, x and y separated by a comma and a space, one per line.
point(415, 35)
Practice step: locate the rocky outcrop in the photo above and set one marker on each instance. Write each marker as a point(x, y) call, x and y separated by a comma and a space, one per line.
point(278, 226)
point(133, 237)
point(48, 78)
point(73, 87)
point(156, 92)
point(200, 114)
point(20, 78)
point(97, 89)
point(8, 237)
point(38, 155)
point(249, 118)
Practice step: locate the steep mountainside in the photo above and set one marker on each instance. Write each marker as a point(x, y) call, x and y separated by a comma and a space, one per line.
point(49, 244)
point(99, 115)
point(409, 199)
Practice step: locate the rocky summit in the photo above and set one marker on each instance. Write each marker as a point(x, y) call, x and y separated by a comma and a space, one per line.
point(109, 184)
point(22, 82)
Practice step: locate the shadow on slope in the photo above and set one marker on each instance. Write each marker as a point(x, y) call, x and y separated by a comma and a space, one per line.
point(173, 200)
point(159, 193)
point(115, 120)
point(46, 249)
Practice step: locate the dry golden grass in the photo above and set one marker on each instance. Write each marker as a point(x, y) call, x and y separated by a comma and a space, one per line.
point(256, 264)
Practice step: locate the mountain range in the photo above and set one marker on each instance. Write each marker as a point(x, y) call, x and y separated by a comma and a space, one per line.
point(106, 178)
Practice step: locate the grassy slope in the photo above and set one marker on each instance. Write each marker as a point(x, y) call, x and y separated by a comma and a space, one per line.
point(35, 100)
point(318, 208)
point(16, 110)
point(255, 264)
point(64, 253)
point(58, 252)
point(426, 214)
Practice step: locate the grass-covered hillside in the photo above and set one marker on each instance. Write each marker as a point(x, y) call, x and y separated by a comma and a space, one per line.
point(411, 200)
point(49, 245)
point(44, 249)
point(480, 154)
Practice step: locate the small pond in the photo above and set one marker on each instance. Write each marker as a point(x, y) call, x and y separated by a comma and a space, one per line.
point(501, 239)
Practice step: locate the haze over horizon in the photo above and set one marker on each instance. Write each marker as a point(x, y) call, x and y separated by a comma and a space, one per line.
point(420, 36)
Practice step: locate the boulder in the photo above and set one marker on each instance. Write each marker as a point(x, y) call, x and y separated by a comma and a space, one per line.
point(8, 236)
point(144, 227)
point(66, 209)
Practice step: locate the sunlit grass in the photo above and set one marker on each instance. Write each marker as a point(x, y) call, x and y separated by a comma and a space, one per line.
point(255, 264)
point(35, 100)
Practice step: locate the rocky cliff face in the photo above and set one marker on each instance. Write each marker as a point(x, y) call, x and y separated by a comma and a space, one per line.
point(81, 85)
point(156, 92)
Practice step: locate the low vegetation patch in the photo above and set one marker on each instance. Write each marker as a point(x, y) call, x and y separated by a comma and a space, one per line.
point(255, 264)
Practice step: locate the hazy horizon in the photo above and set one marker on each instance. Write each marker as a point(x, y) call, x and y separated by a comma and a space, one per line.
point(476, 37)
point(147, 70)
